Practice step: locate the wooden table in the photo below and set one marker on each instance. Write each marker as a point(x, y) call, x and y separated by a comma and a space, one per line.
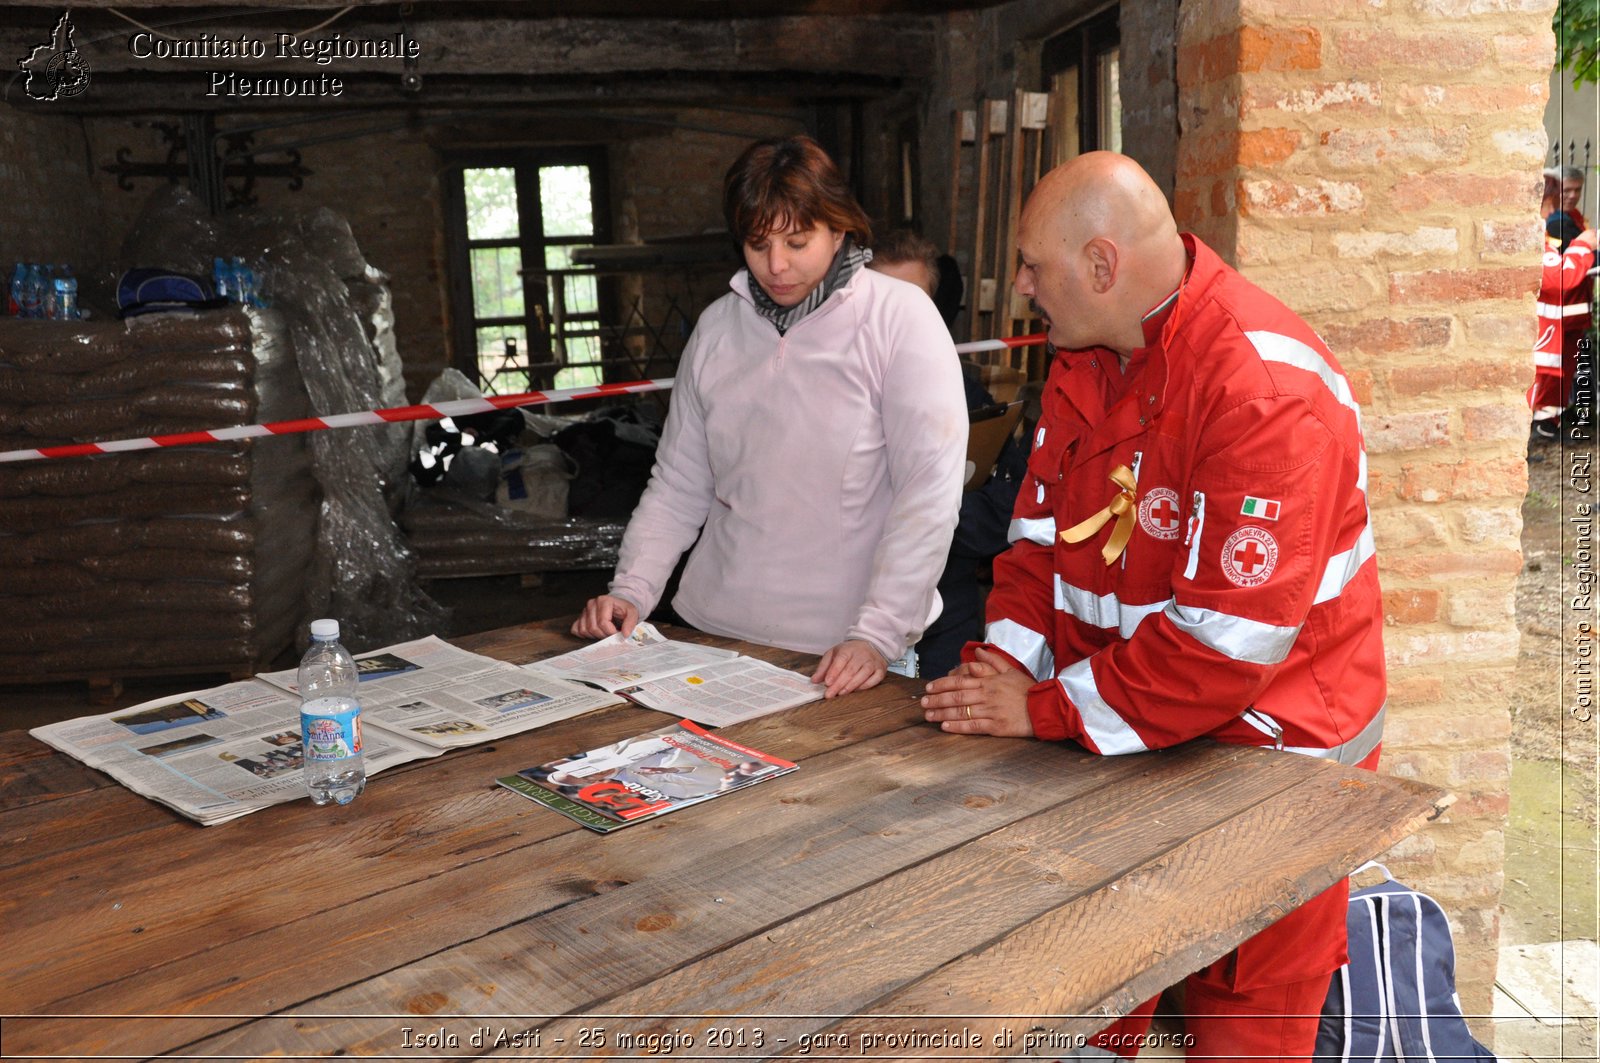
point(904, 893)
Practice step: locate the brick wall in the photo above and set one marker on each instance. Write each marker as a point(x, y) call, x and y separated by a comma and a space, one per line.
point(48, 212)
point(1376, 168)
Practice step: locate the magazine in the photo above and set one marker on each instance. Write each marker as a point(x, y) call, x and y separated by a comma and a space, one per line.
point(711, 686)
point(645, 776)
point(224, 752)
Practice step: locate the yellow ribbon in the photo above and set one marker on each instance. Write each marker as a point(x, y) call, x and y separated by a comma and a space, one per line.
point(1122, 507)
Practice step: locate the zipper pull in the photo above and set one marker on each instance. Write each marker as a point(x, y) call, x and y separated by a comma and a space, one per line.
point(1269, 725)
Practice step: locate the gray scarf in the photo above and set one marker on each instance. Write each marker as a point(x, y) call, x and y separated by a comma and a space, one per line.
point(849, 259)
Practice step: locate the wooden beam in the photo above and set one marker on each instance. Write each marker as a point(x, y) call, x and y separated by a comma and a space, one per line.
point(889, 46)
point(675, 9)
point(142, 94)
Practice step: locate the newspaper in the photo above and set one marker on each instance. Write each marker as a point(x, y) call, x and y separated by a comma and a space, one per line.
point(708, 685)
point(212, 755)
point(644, 776)
point(224, 752)
point(727, 692)
point(627, 660)
point(444, 697)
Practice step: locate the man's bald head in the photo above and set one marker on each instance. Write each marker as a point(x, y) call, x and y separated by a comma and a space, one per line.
point(1099, 248)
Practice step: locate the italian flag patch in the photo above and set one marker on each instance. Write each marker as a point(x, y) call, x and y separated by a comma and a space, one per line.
point(1261, 508)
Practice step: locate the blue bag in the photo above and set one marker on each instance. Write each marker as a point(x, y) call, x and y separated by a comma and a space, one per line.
point(1395, 1001)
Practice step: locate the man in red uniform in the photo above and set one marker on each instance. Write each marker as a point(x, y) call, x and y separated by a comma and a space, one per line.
point(1192, 553)
point(1565, 287)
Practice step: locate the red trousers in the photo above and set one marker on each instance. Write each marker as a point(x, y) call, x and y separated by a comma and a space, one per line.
point(1270, 1024)
point(1263, 1001)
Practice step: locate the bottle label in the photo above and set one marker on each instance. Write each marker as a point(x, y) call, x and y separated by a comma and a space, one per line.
point(330, 729)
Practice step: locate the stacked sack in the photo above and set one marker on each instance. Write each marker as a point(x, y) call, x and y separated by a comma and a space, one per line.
point(185, 559)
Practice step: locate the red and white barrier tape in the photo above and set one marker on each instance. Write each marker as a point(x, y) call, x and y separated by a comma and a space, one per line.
point(395, 414)
point(1000, 345)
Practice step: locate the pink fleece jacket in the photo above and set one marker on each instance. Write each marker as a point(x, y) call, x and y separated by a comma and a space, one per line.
point(825, 466)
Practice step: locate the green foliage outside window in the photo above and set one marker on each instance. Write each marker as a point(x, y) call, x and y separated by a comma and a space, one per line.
point(1577, 26)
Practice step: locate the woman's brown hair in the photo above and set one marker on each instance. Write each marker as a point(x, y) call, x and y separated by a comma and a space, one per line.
point(789, 182)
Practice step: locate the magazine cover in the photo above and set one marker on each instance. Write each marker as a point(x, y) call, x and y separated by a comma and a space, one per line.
point(647, 775)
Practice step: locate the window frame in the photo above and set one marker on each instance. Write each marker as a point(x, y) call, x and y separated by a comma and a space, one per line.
point(545, 355)
point(1083, 46)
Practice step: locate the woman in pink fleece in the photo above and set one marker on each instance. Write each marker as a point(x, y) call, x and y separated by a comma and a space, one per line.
point(817, 435)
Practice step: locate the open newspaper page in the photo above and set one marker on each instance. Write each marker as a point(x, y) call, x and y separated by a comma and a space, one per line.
point(212, 755)
point(617, 662)
point(445, 697)
point(645, 776)
point(490, 704)
point(727, 692)
point(423, 664)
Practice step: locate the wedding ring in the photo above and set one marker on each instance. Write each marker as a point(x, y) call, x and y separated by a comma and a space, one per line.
point(968, 710)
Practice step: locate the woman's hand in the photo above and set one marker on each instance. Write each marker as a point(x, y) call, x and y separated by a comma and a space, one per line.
point(605, 616)
point(850, 666)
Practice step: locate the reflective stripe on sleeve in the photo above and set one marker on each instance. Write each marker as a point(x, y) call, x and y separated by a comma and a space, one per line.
point(1108, 731)
point(1342, 567)
point(1558, 310)
point(1029, 648)
point(1104, 611)
point(1235, 637)
point(1041, 530)
point(1275, 347)
point(1354, 751)
point(1547, 359)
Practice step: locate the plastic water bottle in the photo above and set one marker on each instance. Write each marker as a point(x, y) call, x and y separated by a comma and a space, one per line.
point(67, 295)
point(50, 290)
point(19, 278)
point(330, 718)
point(244, 283)
point(221, 279)
point(33, 292)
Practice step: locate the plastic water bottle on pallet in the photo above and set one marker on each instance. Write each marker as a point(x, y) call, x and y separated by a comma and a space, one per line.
point(330, 718)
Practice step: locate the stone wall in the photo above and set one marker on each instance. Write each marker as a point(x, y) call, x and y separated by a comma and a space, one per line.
point(48, 210)
point(1377, 170)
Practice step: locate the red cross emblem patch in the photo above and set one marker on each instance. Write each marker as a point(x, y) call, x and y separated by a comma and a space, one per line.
point(1249, 556)
point(1158, 513)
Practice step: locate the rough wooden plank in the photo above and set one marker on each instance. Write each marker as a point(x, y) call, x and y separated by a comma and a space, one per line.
point(46, 828)
point(841, 957)
point(32, 773)
point(801, 839)
point(1311, 837)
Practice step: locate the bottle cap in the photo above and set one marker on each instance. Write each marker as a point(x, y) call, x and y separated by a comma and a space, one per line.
point(324, 629)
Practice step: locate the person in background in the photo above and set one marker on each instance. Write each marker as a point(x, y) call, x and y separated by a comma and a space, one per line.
point(816, 442)
point(985, 510)
point(1566, 287)
point(1562, 205)
point(1197, 557)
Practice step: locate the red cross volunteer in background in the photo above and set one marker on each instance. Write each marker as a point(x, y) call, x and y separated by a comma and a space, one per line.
point(1191, 552)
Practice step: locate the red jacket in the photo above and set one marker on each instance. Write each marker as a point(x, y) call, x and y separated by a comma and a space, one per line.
point(1246, 605)
point(1563, 307)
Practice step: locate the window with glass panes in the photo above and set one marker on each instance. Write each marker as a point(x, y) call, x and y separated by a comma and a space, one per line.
point(526, 316)
point(1082, 69)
